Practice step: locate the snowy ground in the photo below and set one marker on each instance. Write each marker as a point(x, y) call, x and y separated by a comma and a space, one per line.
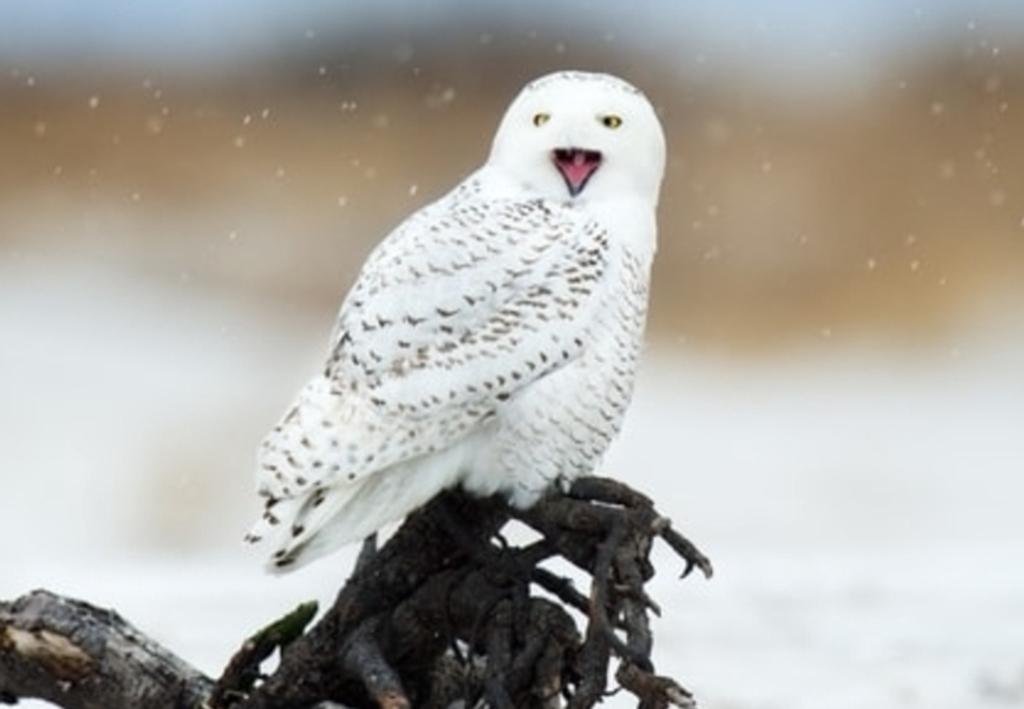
point(862, 505)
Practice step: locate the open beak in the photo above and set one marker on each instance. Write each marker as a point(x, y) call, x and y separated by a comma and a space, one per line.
point(577, 166)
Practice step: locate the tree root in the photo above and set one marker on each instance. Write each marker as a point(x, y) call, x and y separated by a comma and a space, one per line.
point(444, 612)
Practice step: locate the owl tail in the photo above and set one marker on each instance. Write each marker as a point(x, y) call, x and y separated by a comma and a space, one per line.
point(323, 520)
point(293, 526)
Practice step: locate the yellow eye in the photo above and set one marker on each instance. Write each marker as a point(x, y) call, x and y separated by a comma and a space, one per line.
point(611, 121)
point(540, 119)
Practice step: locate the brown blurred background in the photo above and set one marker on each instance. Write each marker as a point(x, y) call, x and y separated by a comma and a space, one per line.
point(880, 196)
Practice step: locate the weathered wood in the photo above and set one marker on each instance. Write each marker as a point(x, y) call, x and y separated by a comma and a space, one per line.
point(78, 656)
point(441, 613)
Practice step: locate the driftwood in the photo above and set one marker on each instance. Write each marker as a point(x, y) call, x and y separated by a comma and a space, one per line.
point(446, 612)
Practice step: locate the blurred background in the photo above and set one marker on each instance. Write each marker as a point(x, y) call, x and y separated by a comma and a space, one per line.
point(832, 402)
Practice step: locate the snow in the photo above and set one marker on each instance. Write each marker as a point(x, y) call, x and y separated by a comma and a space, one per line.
point(862, 504)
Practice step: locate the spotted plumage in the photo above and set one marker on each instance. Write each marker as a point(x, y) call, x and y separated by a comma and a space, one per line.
point(491, 339)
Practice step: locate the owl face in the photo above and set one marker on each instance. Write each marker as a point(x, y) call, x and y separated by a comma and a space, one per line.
point(579, 136)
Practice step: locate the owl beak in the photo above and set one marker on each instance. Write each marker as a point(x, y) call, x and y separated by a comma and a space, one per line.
point(577, 166)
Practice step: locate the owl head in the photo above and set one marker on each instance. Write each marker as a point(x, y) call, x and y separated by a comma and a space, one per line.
point(580, 136)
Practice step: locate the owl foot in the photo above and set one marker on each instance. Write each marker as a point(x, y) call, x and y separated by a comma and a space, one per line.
point(611, 492)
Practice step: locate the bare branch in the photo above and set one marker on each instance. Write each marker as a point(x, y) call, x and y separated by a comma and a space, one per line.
point(78, 656)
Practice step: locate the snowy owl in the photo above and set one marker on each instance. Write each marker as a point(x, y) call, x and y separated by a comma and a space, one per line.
point(491, 340)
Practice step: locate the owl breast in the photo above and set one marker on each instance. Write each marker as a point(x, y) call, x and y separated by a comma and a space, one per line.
point(561, 426)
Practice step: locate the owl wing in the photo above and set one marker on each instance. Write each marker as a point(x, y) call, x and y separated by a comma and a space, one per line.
point(468, 307)
point(459, 309)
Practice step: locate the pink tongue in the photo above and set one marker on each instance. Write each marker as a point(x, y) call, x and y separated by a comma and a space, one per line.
point(577, 170)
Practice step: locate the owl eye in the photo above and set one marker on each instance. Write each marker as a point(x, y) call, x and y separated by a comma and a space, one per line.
point(611, 121)
point(540, 119)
